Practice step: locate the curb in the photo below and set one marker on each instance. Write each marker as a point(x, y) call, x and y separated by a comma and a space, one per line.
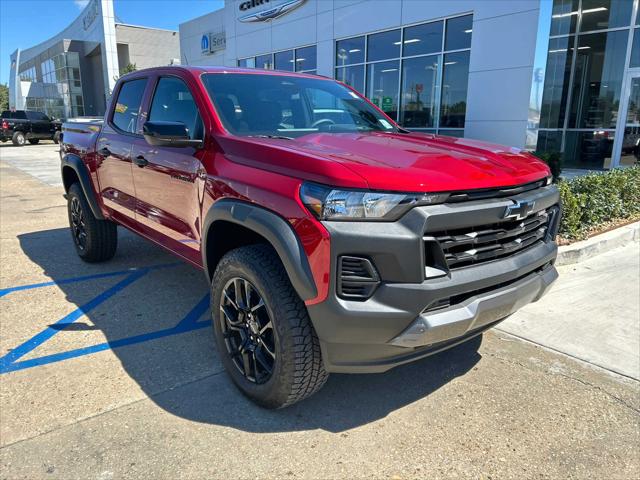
point(579, 251)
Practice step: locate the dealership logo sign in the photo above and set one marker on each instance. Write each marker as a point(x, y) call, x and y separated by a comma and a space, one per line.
point(213, 42)
point(270, 13)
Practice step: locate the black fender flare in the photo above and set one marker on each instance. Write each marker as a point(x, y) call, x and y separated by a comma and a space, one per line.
point(275, 229)
point(75, 162)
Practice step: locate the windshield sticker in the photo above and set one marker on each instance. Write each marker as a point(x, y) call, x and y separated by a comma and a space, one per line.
point(121, 108)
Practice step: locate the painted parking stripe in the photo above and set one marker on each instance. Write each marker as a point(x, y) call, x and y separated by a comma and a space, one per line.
point(5, 291)
point(187, 324)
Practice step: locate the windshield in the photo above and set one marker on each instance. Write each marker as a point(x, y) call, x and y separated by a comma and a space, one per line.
point(284, 106)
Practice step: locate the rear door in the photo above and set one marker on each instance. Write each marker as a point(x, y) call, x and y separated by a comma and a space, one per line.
point(113, 150)
point(39, 125)
point(168, 179)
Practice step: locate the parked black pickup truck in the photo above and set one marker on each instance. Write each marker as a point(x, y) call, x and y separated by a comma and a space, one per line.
point(21, 126)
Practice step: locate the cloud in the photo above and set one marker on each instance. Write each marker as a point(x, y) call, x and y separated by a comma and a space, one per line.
point(81, 3)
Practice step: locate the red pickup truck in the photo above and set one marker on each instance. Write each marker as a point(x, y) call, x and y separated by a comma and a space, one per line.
point(333, 239)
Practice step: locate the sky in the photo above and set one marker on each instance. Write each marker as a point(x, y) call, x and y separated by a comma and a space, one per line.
point(25, 23)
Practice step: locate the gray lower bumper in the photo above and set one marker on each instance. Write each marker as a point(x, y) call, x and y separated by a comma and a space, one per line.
point(475, 312)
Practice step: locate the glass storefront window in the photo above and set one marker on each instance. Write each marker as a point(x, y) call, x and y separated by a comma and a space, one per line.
point(306, 59)
point(598, 79)
point(264, 61)
point(352, 76)
point(603, 14)
point(422, 39)
point(556, 83)
point(635, 49)
point(455, 76)
point(419, 91)
point(382, 86)
point(549, 141)
point(284, 61)
point(452, 133)
point(383, 46)
point(350, 51)
point(564, 17)
point(588, 150)
point(458, 34)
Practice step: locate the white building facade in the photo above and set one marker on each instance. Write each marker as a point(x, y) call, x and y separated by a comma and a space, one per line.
point(73, 73)
point(547, 75)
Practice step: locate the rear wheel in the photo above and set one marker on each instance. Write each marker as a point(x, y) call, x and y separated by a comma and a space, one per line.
point(95, 240)
point(34, 141)
point(56, 137)
point(18, 139)
point(262, 329)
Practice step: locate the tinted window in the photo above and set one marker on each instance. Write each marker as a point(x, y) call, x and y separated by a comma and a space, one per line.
point(37, 116)
point(352, 76)
point(19, 115)
point(556, 83)
point(455, 76)
point(127, 105)
point(459, 33)
point(382, 86)
point(422, 39)
point(383, 45)
point(350, 51)
point(6, 114)
point(601, 14)
point(419, 92)
point(564, 17)
point(306, 59)
point(284, 61)
point(264, 61)
point(247, 62)
point(635, 49)
point(173, 102)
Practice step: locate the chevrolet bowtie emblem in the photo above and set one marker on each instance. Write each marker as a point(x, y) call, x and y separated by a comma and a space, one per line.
point(519, 210)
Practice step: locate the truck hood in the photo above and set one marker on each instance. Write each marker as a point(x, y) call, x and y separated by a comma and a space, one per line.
point(404, 162)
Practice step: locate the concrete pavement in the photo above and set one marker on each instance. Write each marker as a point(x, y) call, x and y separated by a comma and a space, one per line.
point(110, 372)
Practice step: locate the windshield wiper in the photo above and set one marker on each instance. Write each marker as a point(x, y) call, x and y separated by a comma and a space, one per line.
point(281, 137)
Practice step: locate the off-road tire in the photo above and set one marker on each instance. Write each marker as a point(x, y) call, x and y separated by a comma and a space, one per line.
point(34, 141)
point(18, 139)
point(101, 235)
point(298, 371)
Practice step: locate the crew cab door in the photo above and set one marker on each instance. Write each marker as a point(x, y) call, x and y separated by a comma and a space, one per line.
point(40, 125)
point(168, 180)
point(113, 150)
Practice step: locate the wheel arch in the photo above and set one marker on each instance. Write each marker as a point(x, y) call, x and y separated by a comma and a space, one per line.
point(264, 226)
point(74, 170)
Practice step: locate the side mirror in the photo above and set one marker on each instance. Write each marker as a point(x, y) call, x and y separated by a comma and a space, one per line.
point(168, 134)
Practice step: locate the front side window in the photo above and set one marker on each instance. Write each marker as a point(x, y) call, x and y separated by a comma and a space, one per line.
point(127, 106)
point(283, 106)
point(173, 102)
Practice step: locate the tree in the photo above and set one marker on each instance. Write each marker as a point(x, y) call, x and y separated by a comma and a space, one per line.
point(4, 97)
point(128, 68)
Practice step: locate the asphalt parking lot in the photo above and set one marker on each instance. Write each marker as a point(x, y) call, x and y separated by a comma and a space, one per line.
point(109, 371)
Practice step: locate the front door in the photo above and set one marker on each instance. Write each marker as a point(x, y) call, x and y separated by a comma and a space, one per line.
point(627, 145)
point(113, 159)
point(167, 179)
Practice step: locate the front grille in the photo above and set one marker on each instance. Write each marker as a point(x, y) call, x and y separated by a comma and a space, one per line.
point(472, 245)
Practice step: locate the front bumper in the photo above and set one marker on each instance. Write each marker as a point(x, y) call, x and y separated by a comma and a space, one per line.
point(399, 322)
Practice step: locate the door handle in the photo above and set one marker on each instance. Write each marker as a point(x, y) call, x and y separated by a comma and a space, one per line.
point(141, 161)
point(104, 151)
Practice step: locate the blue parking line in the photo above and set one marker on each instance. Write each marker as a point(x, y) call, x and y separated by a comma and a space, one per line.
point(5, 291)
point(188, 323)
point(47, 333)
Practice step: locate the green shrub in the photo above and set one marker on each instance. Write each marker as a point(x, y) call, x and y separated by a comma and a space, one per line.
point(594, 200)
point(553, 160)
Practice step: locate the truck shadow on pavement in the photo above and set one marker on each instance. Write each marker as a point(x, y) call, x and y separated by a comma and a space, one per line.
point(181, 373)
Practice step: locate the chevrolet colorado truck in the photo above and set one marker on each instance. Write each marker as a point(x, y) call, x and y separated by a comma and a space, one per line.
point(333, 240)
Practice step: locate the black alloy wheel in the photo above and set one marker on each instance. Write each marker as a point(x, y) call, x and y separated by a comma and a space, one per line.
point(78, 226)
point(247, 330)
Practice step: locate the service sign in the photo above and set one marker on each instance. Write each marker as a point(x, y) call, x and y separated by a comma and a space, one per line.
point(213, 42)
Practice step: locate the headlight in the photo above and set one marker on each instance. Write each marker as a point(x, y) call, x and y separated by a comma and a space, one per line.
point(327, 203)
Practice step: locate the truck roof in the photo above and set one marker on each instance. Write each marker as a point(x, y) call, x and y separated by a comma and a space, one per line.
point(197, 70)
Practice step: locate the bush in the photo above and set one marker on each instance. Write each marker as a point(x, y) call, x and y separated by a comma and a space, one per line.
point(592, 201)
point(553, 160)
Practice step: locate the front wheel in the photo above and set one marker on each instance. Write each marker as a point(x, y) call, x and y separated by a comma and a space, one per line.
point(262, 329)
point(95, 240)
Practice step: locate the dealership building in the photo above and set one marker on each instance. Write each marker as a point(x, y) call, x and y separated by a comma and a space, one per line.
point(73, 73)
point(546, 75)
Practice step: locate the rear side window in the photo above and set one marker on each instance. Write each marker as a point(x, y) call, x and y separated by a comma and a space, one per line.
point(19, 115)
point(6, 114)
point(173, 102)
point(127, 105)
